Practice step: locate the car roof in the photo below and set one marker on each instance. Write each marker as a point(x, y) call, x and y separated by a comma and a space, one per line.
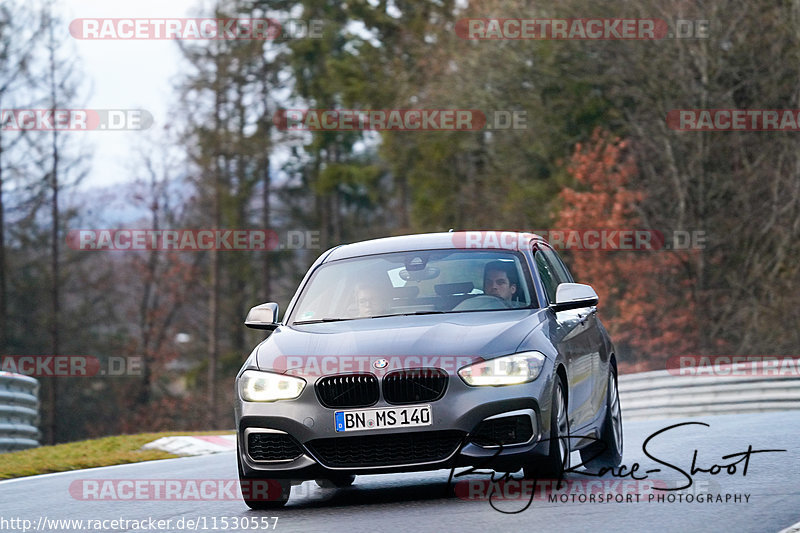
point(484, 239)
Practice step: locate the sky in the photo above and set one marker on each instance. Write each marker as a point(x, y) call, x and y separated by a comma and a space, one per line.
point(133, 74)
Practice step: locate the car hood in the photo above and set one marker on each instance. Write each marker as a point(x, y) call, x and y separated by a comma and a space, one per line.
point(400, 339)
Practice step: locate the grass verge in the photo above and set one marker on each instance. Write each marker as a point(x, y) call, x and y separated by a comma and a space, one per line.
point(105, 451)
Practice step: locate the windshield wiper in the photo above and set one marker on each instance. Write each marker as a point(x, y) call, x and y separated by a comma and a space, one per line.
point(409, 314)
point(319, 320)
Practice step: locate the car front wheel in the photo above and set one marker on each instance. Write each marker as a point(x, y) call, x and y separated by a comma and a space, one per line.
point(607, 452)
point(557, 460)
point(253, 487)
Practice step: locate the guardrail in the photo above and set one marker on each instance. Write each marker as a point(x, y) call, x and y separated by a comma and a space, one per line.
point(645, 395)
point(661, 394)
point(19, 412)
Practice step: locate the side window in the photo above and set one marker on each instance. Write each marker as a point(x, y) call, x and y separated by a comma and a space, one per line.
point(552, 271)
point(547, 275)
point(558, 265)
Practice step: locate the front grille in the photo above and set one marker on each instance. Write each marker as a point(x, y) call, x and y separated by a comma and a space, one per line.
point(386, 450)
point(505, 431)
point(350, 390)
point(272, 447)
point(414, 385)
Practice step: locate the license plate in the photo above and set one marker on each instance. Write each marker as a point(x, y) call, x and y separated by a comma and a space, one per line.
point(364, 419)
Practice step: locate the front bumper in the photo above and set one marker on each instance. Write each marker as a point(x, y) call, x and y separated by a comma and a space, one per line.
point(461, 409)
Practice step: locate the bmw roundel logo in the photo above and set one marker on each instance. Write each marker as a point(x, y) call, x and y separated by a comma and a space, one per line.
point(381, 363)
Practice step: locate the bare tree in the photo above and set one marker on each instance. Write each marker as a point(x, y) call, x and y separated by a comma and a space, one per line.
point(18, 37)
point(61, 161)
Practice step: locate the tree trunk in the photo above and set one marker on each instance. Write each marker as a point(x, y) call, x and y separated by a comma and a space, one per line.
point(54, 256)
point(267, 270)
point(3, 283)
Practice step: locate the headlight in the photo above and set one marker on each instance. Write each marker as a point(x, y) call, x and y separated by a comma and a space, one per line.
point(506, 370)
point(257, 386)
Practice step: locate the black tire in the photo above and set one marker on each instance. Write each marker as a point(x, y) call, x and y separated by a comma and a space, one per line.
point(261, 504)
point(552, 465)
point(607, 452)
point(338, 482)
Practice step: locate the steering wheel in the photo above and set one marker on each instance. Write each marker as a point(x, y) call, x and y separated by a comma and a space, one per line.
point(483, 301)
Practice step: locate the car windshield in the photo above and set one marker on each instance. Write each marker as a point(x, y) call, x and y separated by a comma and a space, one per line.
point(416, 282)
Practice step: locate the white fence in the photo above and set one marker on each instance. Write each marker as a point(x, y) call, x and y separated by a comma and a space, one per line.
point(19, 412)
point(661, 394)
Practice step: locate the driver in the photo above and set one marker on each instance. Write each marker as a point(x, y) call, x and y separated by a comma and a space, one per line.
point(500, 279)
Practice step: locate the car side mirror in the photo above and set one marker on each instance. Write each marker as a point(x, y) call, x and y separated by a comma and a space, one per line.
point(574, 296)
point(264, 316)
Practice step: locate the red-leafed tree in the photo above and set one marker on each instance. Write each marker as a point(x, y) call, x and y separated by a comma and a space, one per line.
point(646, 302)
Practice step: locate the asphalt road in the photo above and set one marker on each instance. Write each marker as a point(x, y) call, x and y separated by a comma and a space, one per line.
point(422, 501)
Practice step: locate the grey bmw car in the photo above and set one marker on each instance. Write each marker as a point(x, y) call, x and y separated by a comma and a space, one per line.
point(426, 352)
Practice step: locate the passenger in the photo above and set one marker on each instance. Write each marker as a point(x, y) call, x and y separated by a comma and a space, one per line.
point(371, 300)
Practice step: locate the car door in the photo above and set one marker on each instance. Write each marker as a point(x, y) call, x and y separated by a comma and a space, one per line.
point(592, 336)
point(570, 338)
